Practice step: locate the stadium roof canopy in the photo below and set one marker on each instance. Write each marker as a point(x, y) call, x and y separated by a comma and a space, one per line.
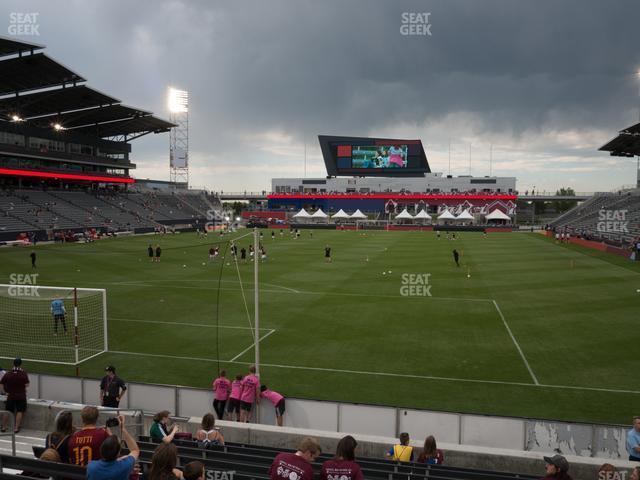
point(32, 72)
point(42, 93)
point(626, 144)
point(9, 46)
point(55, 101)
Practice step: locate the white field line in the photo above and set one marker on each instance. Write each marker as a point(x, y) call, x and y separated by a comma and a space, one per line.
point(181, 324)
point(515, 342)
point(252, 345)
point(384, 374)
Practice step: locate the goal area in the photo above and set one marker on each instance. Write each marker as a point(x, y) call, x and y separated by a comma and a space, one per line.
point(58, 325)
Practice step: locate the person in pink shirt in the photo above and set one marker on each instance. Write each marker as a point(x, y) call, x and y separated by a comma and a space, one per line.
point(221, 391)
point(250, 389)
point(233, 407)
point(277, 400)
point(343, 466)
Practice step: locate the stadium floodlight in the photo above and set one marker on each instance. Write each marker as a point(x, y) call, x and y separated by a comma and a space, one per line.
point(178, 100)
point(237, 219)
point(57, 127)
point(16, 118)
point(226, 219)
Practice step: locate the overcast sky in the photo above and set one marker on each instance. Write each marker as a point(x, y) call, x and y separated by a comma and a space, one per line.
point(546, 82)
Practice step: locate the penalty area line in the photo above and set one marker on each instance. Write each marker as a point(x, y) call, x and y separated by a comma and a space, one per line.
point(515, 342)
point(252, 345)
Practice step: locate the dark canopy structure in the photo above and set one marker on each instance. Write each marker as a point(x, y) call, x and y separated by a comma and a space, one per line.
point(626, 144)
point(37, 91)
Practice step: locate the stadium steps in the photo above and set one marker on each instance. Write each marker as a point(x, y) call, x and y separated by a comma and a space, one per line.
point(112, 217)
point(124, 203)
point(51, 216)
point(79, 212)
point(9, 221)
point(254, 461)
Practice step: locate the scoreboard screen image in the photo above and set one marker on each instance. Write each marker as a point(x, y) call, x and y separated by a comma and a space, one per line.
point(373, 156)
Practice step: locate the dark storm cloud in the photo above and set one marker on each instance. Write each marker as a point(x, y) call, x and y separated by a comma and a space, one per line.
point(308, 67)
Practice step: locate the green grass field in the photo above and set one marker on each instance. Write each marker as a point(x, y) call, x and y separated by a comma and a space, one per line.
point(537, 330)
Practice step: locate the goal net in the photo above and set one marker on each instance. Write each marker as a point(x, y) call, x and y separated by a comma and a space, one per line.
point(52, 324)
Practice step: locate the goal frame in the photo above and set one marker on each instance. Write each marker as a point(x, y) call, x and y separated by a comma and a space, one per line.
point(76, 338)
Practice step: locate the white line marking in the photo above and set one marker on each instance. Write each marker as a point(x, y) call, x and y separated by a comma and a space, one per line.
point(251, 346)
point(118, 319)
point(515, 342)
point(385, 374)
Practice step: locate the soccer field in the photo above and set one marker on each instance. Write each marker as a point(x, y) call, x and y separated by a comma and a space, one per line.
point(537, 329)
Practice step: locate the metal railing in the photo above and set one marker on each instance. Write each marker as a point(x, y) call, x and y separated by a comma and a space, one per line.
point(11, 432)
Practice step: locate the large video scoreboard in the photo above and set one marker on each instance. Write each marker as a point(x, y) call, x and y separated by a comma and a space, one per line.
point(382, 157)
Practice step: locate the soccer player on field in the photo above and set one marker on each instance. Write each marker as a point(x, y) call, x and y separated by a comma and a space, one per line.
point(150, 252)
point(58, 311)
point(33, 259)
point(158, 253)
point(327, 254)
point(212, 254)
point(243, 255)
point(456, 257)
point(250, 390)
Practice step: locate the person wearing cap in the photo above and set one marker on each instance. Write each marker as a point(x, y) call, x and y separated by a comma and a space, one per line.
point(557, 468)
point(112, 388)
point(15, 383)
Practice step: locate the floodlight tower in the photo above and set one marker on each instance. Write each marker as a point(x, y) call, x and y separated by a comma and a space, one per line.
point(178, 103)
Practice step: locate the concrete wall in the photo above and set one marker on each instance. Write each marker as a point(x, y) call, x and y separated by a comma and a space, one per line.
point(602, 441)
point(41, 416)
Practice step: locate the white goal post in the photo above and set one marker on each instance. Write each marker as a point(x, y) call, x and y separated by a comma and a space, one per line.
point(61, 325)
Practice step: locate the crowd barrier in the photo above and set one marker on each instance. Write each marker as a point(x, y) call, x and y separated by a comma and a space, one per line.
point(534, 435)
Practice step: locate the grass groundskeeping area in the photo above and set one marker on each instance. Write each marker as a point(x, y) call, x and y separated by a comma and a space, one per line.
point(524, 327)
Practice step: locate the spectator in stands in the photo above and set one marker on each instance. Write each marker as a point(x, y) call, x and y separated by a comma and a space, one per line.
point(14, 384)
point(208, 434)
point(277, 400)
point(110, 467)
point(194, 471)
point(84, 445)
point(633, 441)
point(159, 431)
point(112, 388)
point(296, 465)
point(635, 474)
point(234, 398)
point(59, 440)
point(164, 462)
point(430, 453)
point(343, 466)
point(221, 391)
point(250, 388)
point(557, 468)
point(401, 452)
point(49, 455)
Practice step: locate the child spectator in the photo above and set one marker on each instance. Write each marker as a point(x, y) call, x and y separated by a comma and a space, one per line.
point(250, 390)
point(343, 465)
point(59, 440)
point(277, 400)
point(221, 390)
point(164, 462)
point(193, 471)
point(296, 465)
point(234, 398)
point(401, 452)
point(159, 431)
point(208, 434)
point(430, 453)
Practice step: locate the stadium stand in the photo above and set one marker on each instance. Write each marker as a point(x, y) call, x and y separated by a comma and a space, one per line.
point(585, 220)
